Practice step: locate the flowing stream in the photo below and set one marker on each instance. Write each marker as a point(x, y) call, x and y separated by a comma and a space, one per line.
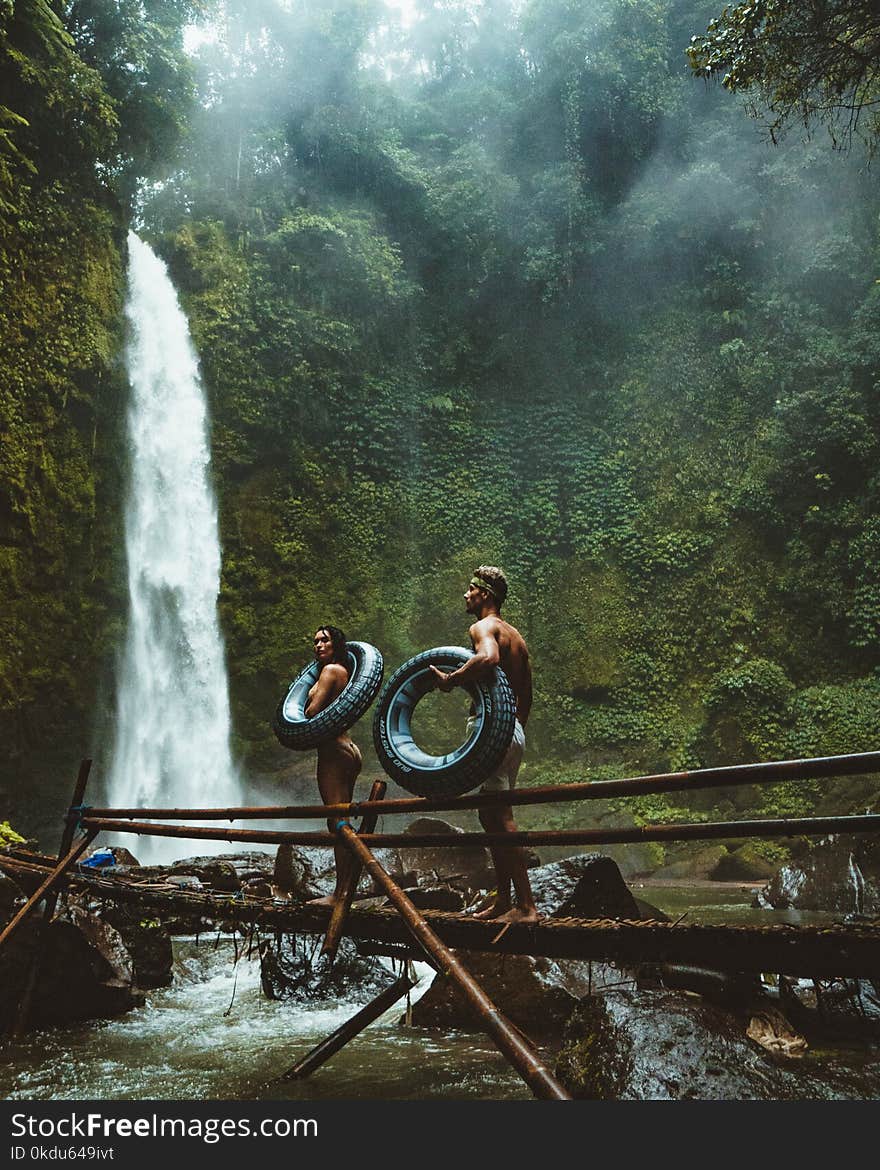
point(213, 1035)
point(172, 723)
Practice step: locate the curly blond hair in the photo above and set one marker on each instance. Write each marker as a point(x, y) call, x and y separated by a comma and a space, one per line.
point(496, 581)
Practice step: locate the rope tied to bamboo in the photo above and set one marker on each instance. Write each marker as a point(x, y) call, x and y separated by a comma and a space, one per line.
point(74, 817)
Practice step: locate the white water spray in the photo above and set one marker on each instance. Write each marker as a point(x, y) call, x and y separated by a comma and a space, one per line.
point(172, 731)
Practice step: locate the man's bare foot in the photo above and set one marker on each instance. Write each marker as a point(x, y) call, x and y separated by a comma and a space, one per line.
point(330, 901)
point(489, 913)
point(518, 915)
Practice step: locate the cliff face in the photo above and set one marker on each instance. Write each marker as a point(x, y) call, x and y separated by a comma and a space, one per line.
point(64, 168)
point(630, 359)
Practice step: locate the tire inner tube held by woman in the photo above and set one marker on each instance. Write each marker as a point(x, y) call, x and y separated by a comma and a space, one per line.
point(339, 758)
point(299, 731)
point(324, 700)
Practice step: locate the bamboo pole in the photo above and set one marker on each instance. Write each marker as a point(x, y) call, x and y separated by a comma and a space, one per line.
point(349, 881)
point(70, 822)
point(322, 1052)
point(770, 772)
point(779, 827)
point(508, 1038)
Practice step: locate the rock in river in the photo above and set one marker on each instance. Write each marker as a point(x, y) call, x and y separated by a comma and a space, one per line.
point(658, 1045)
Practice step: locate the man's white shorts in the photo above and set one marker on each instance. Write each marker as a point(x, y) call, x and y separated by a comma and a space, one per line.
point(504, 777)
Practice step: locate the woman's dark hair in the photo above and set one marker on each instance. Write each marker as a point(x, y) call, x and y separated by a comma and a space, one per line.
point(340, 645)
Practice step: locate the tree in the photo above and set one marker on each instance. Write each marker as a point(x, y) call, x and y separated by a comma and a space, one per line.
point(799, 60)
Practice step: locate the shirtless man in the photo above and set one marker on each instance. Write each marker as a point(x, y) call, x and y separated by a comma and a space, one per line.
point(498, 643)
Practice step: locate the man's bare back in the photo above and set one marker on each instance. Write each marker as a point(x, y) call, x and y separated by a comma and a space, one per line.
point(513, 658)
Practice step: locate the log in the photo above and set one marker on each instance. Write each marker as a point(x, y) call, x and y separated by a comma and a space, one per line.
point(322, 1052)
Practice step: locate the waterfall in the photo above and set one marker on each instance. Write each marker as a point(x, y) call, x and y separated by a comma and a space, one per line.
point(172, 726)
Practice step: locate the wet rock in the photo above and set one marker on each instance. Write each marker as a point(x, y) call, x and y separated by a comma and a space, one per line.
point(305, 872)
point(744, 864)
point(105, 939)
point(537, 994)
point(122, 856)
point(85, 972)
point(832, 1008)
point(699, 865)
point(441, 897)
point(291, 871)
point(147, 941)
point(586, 886)
point(658, 1045)
point(183, 881)
point(290, 968)
point(466, 869)
point(839, 873)
point(226, 872)
point(648, 912)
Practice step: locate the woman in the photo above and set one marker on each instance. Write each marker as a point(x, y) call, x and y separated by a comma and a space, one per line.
point(339, 759)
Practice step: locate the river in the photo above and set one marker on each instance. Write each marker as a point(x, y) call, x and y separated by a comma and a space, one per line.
point(213, 1035)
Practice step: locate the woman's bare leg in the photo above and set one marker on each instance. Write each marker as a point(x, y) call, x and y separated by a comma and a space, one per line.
point(338, 768)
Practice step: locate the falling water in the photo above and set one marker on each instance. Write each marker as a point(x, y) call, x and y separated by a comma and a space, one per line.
point(857, 882)
point(172, 732)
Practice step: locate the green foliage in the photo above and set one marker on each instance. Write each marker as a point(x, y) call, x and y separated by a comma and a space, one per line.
point(535, 300)
point(8, 835)
point(749, 708)
point(804, 59)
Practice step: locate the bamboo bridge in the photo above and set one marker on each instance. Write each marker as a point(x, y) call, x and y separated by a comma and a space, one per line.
point(838, 950)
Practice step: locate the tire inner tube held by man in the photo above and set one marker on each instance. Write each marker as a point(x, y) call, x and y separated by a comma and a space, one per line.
point(497, 643)
point(339, 758)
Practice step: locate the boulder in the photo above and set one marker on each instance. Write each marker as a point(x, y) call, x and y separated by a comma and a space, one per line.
point(586, 886)
point(698, 865)
point(658, 1045)
point(85, 971)
point(742, 865)
point(123, 856)
point(225, 872)
point(466, 869)
point(537, 994)
point(838, 874)
point(305, 872)
point(291, 872)
point(438, 897)
point(147, 941)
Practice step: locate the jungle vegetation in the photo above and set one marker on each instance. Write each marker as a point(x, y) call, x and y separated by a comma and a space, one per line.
point(506, 284)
